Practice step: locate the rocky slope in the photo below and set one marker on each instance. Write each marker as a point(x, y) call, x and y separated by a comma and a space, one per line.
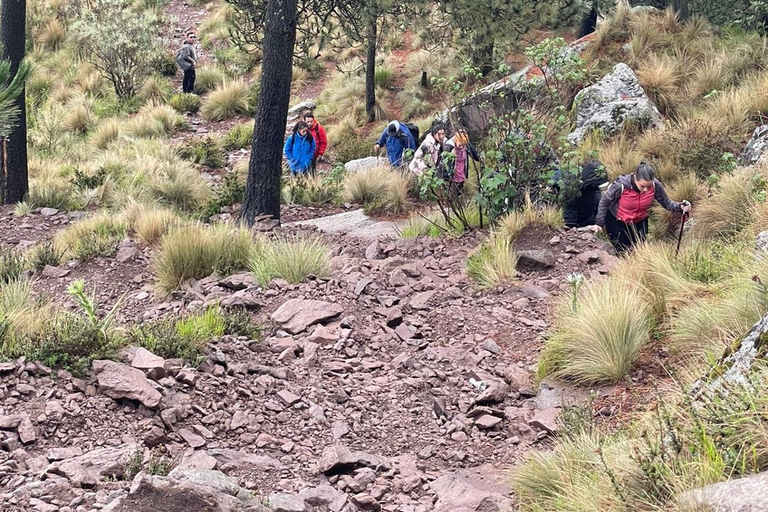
point(393, 385)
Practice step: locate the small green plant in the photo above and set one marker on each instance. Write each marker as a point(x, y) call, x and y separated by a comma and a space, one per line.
point(156, 465)
point(575, 280)
point(230, 192)
point(493, 262)
point(204, 151)
point(186, 103)
point(43, 255)
point(23, 208)
point(11, 265)
point(89, 306)
point(239, 136)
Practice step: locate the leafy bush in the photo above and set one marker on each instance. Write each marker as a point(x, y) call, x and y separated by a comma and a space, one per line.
point(351, 148)
point(309, 190)
point(493, 262)
point(91, 237)
point(164, 63)
point(293, 259)
point(230, 192)
point(239, 136)
point(204, 151)
point(118, 41)
point(186, 103)
point(227, 101)
point(195, 251)
point(600, 340)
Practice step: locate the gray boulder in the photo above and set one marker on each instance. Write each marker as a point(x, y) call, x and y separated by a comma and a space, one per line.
point(480, 489)
point(616, 99)
point(739, 495)
point(761, 241)
point(757, 147)
point(363, 164)
point(535, 259)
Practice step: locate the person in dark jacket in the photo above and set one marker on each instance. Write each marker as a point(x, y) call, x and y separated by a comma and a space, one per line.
point(321, 139)
point(623, 210)
point(397, 138)
point(299, 149)
point(582, 210)
point(186, 59)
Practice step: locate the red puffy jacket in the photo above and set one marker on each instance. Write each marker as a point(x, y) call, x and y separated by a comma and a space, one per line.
point(321, 139)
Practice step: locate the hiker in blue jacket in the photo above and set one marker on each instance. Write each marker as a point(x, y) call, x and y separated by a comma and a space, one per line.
point(299, 149)
point(397, 138)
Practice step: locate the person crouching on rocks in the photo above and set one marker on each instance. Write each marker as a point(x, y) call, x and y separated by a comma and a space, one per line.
point(623, 209)
point(299, 149)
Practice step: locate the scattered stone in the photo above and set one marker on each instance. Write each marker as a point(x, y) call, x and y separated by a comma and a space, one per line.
point(491, 346)
point(335, 459)
point(421, 300)
point(546, 420)
point(373, 251)
point(746, 494)
point(534, 292)
point(535, 259)
point(127, 253)
point(287, 503)
point(192, 439)
point(55, 272)
point(365, 502)
point(339, 429)
point(487, 421)
point(321, 496)
point(153, 366)
point(48, 212)
point(117, 380)
point(297, 315)
point(440, 407)
point(288, 398)
point(480, 489)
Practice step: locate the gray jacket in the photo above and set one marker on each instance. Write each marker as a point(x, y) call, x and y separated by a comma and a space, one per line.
point(609, 201)
point(187, 56)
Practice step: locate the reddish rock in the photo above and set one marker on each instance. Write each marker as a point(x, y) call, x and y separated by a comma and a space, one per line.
point(297, 315)
point(117, 380)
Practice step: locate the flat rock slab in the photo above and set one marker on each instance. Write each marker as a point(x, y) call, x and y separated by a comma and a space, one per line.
point(117, 380)
point(297, 315)
point(480, 489)
point(746, 494)
point(354, 223)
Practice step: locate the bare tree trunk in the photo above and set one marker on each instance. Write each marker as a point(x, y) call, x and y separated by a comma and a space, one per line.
point(482, 55)
point(14, 181)
point(262, 190)
point(589, 23)
point(370, 70)
point(681, 7)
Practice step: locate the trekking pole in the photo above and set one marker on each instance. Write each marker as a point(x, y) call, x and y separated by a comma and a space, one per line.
point(680, 235)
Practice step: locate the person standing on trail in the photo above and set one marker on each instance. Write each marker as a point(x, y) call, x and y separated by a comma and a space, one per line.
point(321, 140)
point(623, 209)
point(186, 59)
point(582, 210)
point(432, 148)
point(299, 149)
point(462, 151)
point(397, 138)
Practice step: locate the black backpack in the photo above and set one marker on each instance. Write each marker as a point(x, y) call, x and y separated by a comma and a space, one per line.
point(414, 131)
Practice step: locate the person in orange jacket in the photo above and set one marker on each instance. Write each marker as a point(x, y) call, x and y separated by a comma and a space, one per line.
point(318, 132)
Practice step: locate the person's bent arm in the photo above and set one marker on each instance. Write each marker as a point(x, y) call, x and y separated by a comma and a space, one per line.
point(609, 197)
point(668, 204)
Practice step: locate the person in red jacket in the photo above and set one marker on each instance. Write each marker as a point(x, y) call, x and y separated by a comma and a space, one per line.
point(623, 209)
point(318, 132)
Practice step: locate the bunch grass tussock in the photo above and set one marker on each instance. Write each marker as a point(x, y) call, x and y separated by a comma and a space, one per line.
point(294, 259)
point(367, 185)
point(493, 262)
point(227, 101)
point(95, 236)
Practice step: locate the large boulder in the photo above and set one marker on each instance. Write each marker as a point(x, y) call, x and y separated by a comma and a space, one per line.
point(297, 315)
point(739, 495)
point(363, 164)
point(117, 380)
point(88, 469)
point(615, 100)
point(481, 489)
point(756, 149)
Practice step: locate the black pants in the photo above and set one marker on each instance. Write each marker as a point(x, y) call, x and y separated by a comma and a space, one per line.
point(313, 167)
point(188, 85)
point(624, 236)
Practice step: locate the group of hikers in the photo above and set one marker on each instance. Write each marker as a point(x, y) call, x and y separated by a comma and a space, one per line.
point(621, 210)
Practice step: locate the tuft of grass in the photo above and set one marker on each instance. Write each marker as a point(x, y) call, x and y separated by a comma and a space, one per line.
point(600, 340)
point(367, 185)
point(619, 156)
point(178, 184)
point(95, 236)
point(227, 101)
point(145, 127)
point(156, 89)
point(492, 262)
point(78, 119)
point(204, 151)
point(729, 210)
point(52, 35)
point(384, 77)
point(42, 255)
point(149, 222)
point(195, 251)
point(11, 265)
point(239, 136)
point(171, 120)
point(23, 208)
point(208, 78)
point(106, 132)
point(185, 103)
point(660, 77)
point(292, 258)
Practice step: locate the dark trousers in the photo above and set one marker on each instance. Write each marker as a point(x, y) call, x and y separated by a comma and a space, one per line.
point(313, 167)
point(188, 85)
point(624, 236)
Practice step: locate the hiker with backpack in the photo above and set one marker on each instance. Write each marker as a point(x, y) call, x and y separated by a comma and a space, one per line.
point(462, 151)
point(397, 137)
point(186, 58)
point(623, 209)
point(299, 149)
point(321, 139)
point(433, 148)
point(582, 210)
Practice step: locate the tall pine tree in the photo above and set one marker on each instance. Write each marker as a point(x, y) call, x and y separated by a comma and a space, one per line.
point(14, 181)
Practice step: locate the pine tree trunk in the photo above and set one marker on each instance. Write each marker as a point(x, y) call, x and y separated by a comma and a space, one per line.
point(482, 56)
point(589, 23)
point(14, 179)
point(681, 7)
point(370, 71)
point(262, 190)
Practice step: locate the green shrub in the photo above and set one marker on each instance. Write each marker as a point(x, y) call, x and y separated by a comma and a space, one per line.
point(204, 151)
point(185, 103)
point(164, 63)
point(352, 148)
point(92, 237)
point(493, 262)
point(293, 259)
point(43, 255)
point(230, 192)
point(239, 136)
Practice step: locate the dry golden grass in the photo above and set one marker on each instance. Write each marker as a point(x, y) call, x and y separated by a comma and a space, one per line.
point(227, 101)
point(660, 77)
point(729, 209)
point(619, 156)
